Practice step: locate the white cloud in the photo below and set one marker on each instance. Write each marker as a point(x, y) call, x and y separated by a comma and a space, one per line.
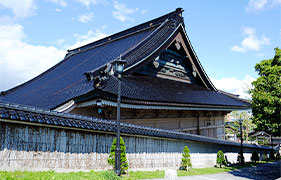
point(234, 85)
point(88, 3)
point(20, 61)
point(84, 18)
point(90, 37)
point(256, 5)
point(59, 2)
point(11, 32)
point(58, 10)
point(251, 41)
point(122, 13)
point(20, 9)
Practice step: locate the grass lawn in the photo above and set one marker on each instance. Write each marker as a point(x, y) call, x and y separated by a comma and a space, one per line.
point(213, 170)
point(109, 175)
point(51, 175)
point(144, 175)
point(92, 175)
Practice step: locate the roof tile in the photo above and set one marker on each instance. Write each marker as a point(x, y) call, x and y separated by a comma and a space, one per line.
point(159, 90)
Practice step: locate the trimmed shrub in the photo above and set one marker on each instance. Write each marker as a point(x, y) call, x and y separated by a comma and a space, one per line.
point(220, 158)
point(111, 160)
point(255, 157)
point(240, 158)
point(185, 160)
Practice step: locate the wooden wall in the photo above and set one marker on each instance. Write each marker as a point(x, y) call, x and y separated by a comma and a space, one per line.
point(206, 123)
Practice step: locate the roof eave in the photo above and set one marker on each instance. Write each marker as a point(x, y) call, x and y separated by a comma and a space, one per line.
point(133, 104)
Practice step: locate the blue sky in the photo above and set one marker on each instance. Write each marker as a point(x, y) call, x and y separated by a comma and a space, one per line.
point(229, 37)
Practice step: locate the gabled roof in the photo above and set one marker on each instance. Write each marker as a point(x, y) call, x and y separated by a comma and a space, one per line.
point(137, 46)
point(259, 133)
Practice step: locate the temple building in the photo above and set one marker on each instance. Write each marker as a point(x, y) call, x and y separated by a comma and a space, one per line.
point(163, 84)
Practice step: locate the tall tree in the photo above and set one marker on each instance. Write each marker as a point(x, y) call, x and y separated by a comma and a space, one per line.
point(266, 95)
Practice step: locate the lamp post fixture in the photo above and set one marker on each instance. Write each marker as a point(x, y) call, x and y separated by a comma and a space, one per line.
point(241, 133)
point(119, 67)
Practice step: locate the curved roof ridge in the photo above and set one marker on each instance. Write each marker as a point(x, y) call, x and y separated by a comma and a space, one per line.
point(140, 27)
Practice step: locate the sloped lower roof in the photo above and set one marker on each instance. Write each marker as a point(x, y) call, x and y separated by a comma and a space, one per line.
point(158, 91)
point(20, 114)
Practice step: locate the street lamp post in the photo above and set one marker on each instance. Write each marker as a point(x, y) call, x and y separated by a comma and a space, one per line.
point(119, 67)
point(241, 133)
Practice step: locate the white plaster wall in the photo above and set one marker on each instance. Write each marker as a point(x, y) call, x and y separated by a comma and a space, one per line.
point(11, 160)
point(64, 162)
point(24, 147)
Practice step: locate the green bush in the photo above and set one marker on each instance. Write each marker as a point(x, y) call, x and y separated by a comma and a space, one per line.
point(255, 157)
point(111, 160)
point(240, 158)
point(220, 158)
point(186, 160)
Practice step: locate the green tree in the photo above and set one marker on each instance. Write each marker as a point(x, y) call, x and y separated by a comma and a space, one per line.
point(220, 158)
point(247, 124)
point(266, 94)
point(186, 160)
point(111, 160)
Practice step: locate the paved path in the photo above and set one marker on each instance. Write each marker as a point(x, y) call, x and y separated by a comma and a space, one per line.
point(267, 171)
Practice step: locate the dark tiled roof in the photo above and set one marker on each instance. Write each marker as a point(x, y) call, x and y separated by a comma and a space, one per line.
point(153, 89)
point(28, 114)
point(66, 80)
point(46, 90)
